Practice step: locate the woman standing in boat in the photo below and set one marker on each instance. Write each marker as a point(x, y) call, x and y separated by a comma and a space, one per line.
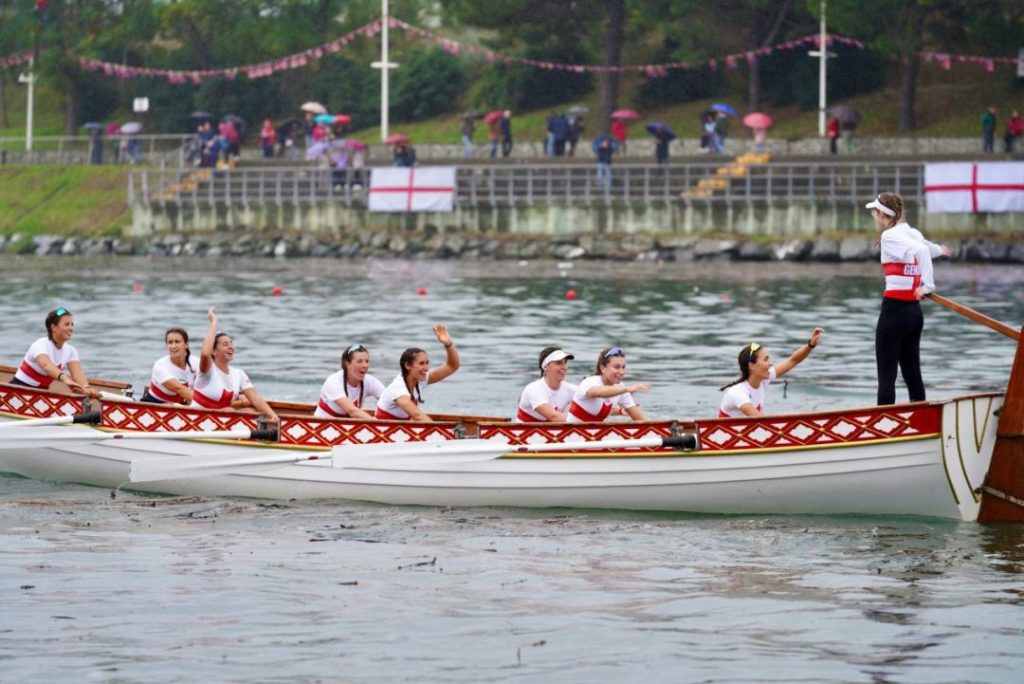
point(173, 375)
point(344, 392)
point(547, 399)
point(217, 383)
point(907, 264)
point(53, 358)
point(746, 396)
point(402, 398)
point(603, 393)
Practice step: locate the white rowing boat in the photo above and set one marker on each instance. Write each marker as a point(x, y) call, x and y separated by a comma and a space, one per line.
point(959, 458)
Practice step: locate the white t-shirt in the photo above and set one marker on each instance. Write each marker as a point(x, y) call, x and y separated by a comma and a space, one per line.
point(164, 370)
point(386, 404)
point(216, 389)
point(538, 393)
point(597, 407)
point(742, 393)
point(335, 388)
point(32, 374)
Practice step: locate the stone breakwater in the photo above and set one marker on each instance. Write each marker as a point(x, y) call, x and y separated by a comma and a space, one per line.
point(427, 245)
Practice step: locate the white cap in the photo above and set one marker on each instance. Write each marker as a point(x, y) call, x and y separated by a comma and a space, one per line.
point(876, 204)
point(556, 355)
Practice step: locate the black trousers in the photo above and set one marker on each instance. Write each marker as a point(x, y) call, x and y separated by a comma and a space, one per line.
point(898, 345)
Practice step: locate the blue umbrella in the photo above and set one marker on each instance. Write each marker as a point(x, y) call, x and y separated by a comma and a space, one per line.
point(327, 119)
point(601, 138)
point(725, 109)
point(661, 130)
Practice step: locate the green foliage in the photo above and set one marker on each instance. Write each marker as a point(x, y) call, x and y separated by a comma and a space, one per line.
point(680, 85)
point(429, 83)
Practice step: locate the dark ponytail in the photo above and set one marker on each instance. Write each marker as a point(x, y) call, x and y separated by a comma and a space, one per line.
point(184, 336)
point(748, 355)
point(405, 365)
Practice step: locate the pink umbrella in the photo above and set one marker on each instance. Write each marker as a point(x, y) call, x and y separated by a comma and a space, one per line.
point(757, 120)
point(396, 139)
point(491, 117)
point(625, 114)
point(340, 119)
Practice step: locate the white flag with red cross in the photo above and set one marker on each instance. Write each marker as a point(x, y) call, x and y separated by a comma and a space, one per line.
point(971, 188)
point(425, 188)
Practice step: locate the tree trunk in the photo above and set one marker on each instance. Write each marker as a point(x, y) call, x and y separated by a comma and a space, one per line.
point(911, 66)
point(5, 120)
point(608, 83)
point(74, 97)
point(774, 23)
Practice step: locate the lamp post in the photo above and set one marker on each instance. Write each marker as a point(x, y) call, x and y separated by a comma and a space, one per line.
point(822, 54)
point(385, 65)
point(30, 79)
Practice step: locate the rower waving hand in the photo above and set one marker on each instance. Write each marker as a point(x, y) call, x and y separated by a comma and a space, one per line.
point(402, 398)
point(746, 396)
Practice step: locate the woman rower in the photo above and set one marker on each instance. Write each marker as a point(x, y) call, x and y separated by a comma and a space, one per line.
point(53, 358)
point(907, 263)
point(402, 398)
point(217, 383)
point(746, 396)
point(344, 392)
point(547, 399)
point(173, 375)
point(603, 393)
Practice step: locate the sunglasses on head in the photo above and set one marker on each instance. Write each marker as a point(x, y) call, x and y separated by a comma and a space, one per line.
point(614, 351)
point(61, 312)
point(355, 348)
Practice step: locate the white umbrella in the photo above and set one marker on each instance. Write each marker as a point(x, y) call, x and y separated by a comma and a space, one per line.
point(131, 128)
point(314, 108)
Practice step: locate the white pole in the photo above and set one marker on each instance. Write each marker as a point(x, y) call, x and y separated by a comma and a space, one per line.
point(384, 65)
point(31, 80)
point(822, 74)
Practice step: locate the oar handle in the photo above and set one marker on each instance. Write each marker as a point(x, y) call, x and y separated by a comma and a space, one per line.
point(975, 316)
point(264, 434)
point(687, 442)
point(90, 418)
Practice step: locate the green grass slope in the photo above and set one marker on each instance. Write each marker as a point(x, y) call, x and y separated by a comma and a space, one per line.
point(66, 200)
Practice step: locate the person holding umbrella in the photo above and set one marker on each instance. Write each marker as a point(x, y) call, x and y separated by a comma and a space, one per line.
point(493, 130)
point(618, 130)
point(268, 138)
point(832, 132)
point(467, 130)
point(663, 135)
point(758, 122)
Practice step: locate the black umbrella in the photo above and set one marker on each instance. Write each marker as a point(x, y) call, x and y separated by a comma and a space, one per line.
point(238, 122)
point(847, 115)
point(202, 116)
point(285, 126)
point(661, 130)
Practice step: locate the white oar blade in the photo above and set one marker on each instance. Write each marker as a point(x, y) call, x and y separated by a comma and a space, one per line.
point(188, 467)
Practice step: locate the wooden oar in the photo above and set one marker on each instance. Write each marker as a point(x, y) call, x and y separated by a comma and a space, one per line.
point(975, 316)
point(385, 455)
point(93, 418)
point(407, 454)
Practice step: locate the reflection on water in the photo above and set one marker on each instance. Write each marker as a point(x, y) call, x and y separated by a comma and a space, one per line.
point(157, 589)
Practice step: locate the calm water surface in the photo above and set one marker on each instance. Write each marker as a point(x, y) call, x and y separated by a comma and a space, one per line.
point(157, 589)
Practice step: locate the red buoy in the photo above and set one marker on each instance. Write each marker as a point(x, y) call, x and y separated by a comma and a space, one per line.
point(277, 291)
point(422, 292)
point(570, 295)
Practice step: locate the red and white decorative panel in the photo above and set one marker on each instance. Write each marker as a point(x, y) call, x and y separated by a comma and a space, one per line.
point(546, 433)
point(33, 403)
point(311, 432)
point(819, 429)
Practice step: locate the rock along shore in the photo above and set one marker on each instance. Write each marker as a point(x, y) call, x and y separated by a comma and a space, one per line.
point(426, 245)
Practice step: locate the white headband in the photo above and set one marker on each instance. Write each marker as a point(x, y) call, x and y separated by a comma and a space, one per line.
point(877, 204)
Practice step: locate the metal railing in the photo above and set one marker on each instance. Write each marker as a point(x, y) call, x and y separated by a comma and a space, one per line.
point(525, 185)
point(113, 149)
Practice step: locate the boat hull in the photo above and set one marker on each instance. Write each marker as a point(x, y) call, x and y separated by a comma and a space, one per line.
point(919, 459)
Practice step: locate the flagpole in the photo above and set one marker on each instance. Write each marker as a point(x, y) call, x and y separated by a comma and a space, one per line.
point(385, 65)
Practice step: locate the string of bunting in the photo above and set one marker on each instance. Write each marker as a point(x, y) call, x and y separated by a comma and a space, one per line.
point(301, 59)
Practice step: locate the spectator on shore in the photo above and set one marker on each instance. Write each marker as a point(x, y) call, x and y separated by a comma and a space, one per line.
point(988, 130)
point(832, 133)
point(549, 139)
point(467, 130)
point(575, 131)
point(268, 138)
point(561, 129)
point(721, 131)
point(620, 134)
point(493, 135)
point(604, 147)
point(1014, 129)
point(506, 133)
point(405, 155)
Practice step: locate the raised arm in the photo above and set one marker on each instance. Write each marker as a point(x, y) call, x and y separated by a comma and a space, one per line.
point(798, 356)
point(206, 352)
point(451, 362)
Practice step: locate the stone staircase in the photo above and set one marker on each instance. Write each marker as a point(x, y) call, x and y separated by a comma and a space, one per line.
point(723, 176)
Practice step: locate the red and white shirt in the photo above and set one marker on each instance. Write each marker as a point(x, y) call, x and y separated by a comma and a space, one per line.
point(907, 261)
point(538, 393)
point(335, 388)
point(584, 409)
point(387, 406)
point(165, 369)
point(32, 374)
point(215, 389)
point(742, 393)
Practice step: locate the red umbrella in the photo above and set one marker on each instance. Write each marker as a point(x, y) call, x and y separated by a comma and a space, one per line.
point(396, 139)
point(340, 119)
point(491, 117)
point(625, 114)
point(757, 120)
